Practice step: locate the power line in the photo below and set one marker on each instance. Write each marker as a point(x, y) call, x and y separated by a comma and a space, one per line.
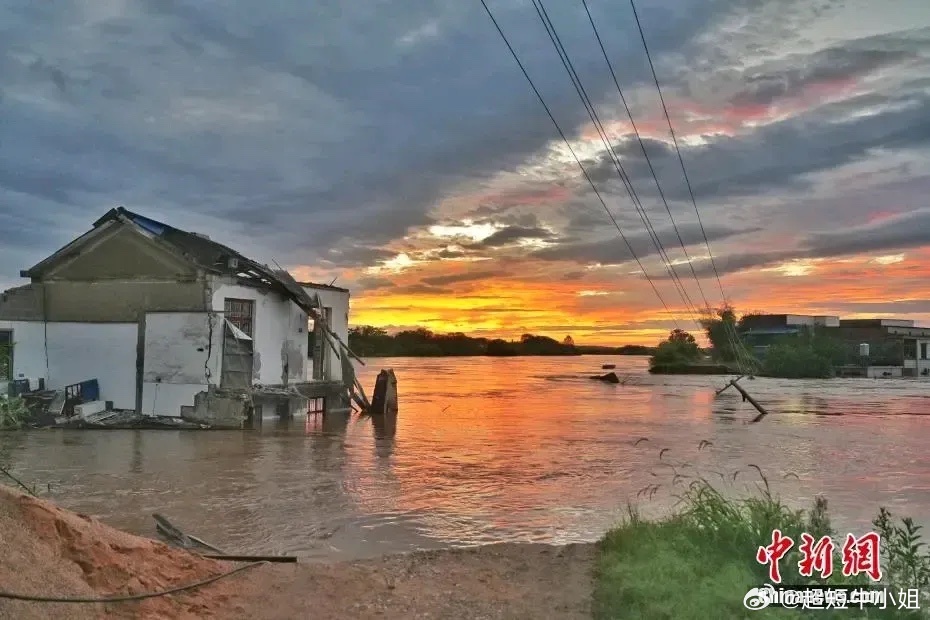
point(642, 146)
point(575, 156)
point(615, 160)
point(732, 336)
point(681, 160)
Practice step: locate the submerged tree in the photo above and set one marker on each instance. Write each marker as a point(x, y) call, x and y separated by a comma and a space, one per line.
point(720, 326)
point(679, 348)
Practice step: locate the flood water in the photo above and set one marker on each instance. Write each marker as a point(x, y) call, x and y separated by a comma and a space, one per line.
point(488, 450)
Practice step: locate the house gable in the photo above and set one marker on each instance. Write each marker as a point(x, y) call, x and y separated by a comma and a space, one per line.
point(115, 251)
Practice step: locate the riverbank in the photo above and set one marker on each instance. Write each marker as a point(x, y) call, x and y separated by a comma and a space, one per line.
point(47, 551)
point(696, 563)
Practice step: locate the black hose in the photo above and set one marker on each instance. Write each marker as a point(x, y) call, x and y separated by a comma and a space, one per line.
point(130, 597)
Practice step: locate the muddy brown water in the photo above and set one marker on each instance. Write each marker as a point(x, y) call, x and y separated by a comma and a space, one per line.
point(495, 450)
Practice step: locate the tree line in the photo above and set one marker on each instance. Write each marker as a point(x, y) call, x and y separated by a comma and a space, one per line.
point(369, 341)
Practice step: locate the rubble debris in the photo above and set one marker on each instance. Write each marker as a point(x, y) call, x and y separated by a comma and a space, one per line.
point(218, 408)
point(129, 420)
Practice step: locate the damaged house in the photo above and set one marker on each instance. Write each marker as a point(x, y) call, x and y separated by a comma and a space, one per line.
point(162, 318)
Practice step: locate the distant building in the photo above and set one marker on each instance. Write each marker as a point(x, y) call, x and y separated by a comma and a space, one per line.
point(882, 346)
point(893, 342)
point(760, 331)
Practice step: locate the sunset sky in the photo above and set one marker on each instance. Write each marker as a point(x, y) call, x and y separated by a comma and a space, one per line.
point(396, 147)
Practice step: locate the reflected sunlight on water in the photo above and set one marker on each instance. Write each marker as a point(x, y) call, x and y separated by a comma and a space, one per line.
point(487, 450)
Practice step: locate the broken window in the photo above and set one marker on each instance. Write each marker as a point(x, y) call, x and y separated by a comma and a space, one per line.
point(241, 313)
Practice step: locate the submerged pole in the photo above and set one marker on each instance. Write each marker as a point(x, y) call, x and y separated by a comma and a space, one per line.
point(752, 401)
point(723, 389)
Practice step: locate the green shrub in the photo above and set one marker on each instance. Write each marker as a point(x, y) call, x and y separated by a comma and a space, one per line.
point(14, 413)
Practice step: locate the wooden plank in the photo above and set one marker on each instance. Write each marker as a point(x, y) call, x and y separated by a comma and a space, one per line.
point(251, 558)
point(175, 535)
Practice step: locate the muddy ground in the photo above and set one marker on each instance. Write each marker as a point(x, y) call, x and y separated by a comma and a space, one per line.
point(48, 551)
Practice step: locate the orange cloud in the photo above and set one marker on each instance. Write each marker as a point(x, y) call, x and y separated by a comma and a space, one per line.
point(622, 309)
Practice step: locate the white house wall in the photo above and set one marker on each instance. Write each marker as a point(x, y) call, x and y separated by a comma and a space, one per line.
point(183, 356)
point(78, 352)
point(339, 302)
point(279, 334)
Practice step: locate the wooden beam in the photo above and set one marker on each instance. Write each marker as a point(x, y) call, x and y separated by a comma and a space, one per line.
point(251, 558)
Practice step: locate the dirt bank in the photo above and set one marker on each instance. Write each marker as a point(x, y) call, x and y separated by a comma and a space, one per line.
point(497, 581)
point(49, 551)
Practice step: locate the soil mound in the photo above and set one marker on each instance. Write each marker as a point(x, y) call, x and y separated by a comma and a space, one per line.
point(48, 551)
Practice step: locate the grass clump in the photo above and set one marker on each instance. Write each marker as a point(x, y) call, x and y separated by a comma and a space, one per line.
point(14, 413)
point(701, 561)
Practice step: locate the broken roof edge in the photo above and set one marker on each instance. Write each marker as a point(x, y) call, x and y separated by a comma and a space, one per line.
point(328, 287)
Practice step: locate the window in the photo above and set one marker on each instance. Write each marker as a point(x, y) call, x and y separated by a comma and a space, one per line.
point(241, 313)
point(6, 355)
point(923, 350)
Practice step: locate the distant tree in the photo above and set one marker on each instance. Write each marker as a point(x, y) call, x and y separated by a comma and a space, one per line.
point(568, 341)
point(720, 327)
point(680, 348)
point(680, 336)
point(501, 348)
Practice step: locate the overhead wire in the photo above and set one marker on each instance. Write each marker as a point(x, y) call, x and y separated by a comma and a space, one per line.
point(577, 159)
point(642, 146)
point(128, 597)
point(543, 15)
point(735, 342)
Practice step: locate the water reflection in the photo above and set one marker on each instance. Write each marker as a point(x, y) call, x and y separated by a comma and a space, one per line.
point(385, 425)
point(492, 450)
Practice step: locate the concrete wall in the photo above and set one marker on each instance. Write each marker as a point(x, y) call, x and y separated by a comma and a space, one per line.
point(104, 301)
point(183, 355)
point(339, 302)
point(923, 365)
point(23, 303)
point(879, 371)
point(280, 333)
point(121, 300)
point(121, 252)
point(78, 352)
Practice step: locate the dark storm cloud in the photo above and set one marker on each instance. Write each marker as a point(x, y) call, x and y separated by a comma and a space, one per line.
point(781, 154)
point(317, 124)
point(899, 232)
point(824, 67)
point(325, 125)
point(613, 251)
